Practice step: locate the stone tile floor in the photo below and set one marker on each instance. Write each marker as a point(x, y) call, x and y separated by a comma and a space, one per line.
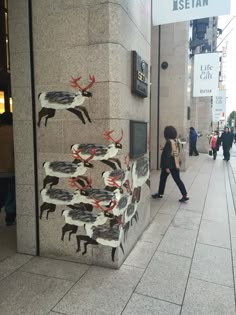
point(185, 262)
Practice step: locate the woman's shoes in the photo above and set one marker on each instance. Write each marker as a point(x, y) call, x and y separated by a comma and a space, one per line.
point(183, 199)
point(156, 196)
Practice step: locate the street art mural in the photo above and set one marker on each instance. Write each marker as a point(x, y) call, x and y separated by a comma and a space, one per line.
point(59, 100)
point(92, 215)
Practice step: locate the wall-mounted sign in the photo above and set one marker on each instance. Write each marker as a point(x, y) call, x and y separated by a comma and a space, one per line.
point(138, 138)
point(140, 76)
point(219, 105)
point(206, 74)
point(172, 11)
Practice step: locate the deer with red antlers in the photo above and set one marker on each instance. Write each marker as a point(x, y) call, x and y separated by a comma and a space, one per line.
point(99, 152)
point(58, 100)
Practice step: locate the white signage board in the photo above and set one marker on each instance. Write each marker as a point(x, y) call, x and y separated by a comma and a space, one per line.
point(206, 74)
point(172, 11)
point(219, 105)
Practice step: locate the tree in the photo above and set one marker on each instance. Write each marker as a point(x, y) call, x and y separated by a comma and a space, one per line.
point(231, 117)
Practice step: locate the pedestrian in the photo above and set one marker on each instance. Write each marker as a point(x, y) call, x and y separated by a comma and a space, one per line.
point(215, 143)
point(170, 164)
point(7, 174)
point(193, 141)
point(227, 142)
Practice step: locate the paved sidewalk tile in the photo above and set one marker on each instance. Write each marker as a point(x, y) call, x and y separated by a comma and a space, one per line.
point(143, 305)
point(101, 291)
point(214, 233)
point(56, 268)
point(187, 220)
point(27, 294)
point(205, 298)
point(165, 278)
point(179, 241)
point(212, 264)
point(141, 254)
point(12, 263)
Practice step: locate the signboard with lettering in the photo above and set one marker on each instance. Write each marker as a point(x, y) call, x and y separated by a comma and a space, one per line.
point(172, 11)
point(140, 76)
point(206, 74)
point(219, 105)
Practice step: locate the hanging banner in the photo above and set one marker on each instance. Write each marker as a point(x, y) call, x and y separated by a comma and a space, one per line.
point(172, 11)
point(219, 105)
point(206, 74)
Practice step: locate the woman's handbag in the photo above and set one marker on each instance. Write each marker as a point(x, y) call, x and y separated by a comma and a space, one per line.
point(210, 152)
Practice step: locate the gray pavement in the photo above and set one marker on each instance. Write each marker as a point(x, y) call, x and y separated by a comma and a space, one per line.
point(185, 262)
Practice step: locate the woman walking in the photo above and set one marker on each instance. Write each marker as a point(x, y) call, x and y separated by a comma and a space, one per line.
point(170, 164)
point(215, 143)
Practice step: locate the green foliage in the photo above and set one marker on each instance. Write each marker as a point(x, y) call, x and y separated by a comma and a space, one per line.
point(231, 117)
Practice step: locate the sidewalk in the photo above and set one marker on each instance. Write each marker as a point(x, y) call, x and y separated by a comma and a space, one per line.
point(184, 263)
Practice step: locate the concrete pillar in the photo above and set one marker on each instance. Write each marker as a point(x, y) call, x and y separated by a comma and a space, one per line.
point(77, 39)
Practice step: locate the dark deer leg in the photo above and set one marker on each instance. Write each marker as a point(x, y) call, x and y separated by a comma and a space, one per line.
point(66, 228)
point(91, 241)
point(109, 163)
point(85, 111)
point(116, 161)
point(113, 251)
point(45, 206)
point(122, 248)
point(77, 113)
point(80, 238)
point(50, 113)
point(52, 180)
point(52, 208)
point(74, 230)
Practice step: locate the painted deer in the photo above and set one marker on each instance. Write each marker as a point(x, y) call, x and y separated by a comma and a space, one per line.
point(63, 169)
point(58, 100)
point(103, 234)
point(99, 152)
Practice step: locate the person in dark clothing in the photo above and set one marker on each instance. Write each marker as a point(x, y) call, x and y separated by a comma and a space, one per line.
point(227, 142)
point(170, 164)
point(193, 142)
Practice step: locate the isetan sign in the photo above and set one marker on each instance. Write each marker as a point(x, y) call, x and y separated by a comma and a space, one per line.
point(171, 11)
point(206, 75)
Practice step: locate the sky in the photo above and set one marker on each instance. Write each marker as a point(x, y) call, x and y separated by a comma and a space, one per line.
point(231, 56)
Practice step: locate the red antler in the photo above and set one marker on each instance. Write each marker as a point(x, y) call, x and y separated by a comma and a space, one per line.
point(74, 83)
point(108, 136)
point(74, 183)
point(112, 181)
point(107, 209)
point(76, 155)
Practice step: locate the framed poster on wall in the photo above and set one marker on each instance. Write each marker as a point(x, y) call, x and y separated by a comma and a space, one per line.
point(138, 138)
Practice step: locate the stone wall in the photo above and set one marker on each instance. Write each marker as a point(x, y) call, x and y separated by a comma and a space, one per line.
point(78, 38)
point(23, 125)
point(174, 83)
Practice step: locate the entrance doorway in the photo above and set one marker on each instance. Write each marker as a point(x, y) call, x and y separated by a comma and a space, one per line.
point(7, 228)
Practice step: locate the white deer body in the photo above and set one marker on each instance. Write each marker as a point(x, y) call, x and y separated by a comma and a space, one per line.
point(75, 169)
point(73, 100)
point(100, 220)
point(101, 152)
point(103, 241)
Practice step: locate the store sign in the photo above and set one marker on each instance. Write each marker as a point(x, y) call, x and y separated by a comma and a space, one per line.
point(206, 74)
point(140, 75)
point(172, 11)
point(219, 105)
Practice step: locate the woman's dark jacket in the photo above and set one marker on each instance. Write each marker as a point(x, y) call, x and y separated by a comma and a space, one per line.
point(167, 160)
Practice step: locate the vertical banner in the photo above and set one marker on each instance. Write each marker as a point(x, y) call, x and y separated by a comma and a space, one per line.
point(206, 74)
point(219, 105)
point(172, 11)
